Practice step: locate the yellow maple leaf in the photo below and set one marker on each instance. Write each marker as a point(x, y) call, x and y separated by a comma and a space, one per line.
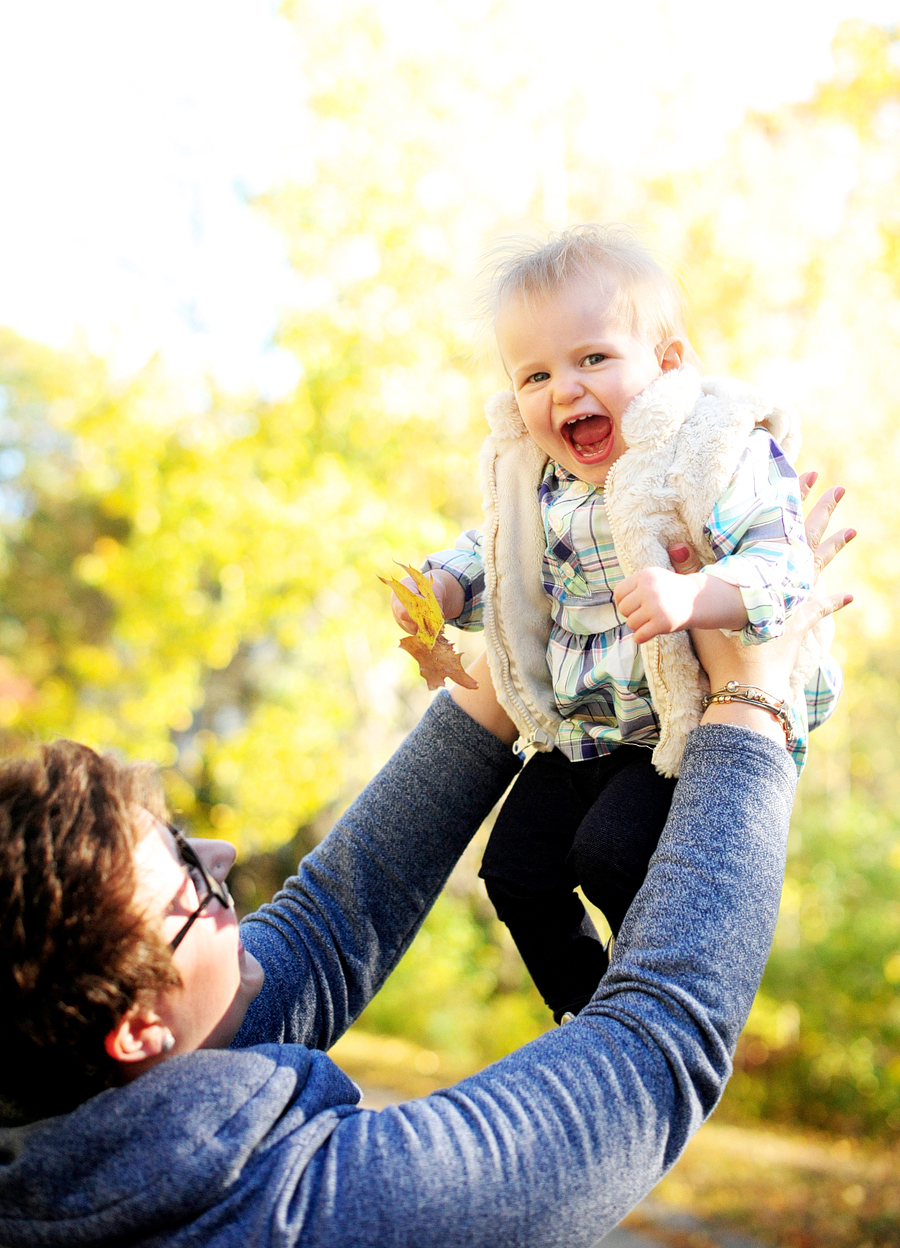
point(434, 654)
point(438, 662)
point(423, 607)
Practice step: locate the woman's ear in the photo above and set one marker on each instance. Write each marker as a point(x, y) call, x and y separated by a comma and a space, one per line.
point(138, 1037)
point(670, 354)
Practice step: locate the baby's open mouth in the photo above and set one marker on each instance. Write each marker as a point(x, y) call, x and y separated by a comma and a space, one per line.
point(590, 437)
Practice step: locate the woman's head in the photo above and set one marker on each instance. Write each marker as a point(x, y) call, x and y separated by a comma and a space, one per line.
point(76, 954)
point(179, 887)
point(92, 893)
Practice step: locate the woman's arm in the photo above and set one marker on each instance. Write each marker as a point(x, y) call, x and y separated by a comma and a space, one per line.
point(481, 703)
point(555, 1143)
point(769, 666)
point(339, 926)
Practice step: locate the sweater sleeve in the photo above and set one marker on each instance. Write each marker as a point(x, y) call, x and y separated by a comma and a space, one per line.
point(757, 535)
point(555, 1143)
point(338, 927)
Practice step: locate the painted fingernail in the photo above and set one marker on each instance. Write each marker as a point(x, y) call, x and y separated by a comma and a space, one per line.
point(839, 493)
point(849, 535)
point(848, 598)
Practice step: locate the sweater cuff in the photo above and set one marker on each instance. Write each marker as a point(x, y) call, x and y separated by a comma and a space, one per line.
point(760, 753)
point(444, 716)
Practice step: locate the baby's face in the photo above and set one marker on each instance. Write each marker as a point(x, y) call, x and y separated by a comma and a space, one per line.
point(574, 371)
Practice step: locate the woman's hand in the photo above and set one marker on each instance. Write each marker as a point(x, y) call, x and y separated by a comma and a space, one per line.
point(769, 666)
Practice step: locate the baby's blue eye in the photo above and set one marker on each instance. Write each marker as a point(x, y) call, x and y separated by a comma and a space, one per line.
point(596, 357)
point(539, 377)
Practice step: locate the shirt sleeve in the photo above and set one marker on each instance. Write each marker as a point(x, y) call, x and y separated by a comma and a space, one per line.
point(465, 561)
point(757, 535)
point(823, 691)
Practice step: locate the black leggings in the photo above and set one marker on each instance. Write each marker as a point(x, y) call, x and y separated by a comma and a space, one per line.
point(594, 823)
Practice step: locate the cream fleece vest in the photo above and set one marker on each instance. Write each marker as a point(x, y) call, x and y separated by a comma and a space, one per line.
point(685, 436)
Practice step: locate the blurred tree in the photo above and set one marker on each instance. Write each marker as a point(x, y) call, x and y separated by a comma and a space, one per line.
point(163, 563)
point(791, 240)
point(192, 578)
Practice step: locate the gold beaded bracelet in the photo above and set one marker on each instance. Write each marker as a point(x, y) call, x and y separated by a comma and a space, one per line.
point(750, 695)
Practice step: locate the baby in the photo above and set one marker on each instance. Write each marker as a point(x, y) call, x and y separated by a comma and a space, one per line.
point(609, 451)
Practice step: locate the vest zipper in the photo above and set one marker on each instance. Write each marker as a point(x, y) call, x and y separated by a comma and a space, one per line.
point(492, 632)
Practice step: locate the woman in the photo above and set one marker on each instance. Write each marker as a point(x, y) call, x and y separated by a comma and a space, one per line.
point(129, 980)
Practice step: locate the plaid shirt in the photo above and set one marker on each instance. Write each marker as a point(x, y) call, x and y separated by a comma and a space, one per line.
point(756, 532)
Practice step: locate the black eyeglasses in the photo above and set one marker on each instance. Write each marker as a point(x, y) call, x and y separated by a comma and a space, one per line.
point(207, 888)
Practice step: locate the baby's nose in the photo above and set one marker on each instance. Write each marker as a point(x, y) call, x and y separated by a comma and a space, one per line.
point(567, 389)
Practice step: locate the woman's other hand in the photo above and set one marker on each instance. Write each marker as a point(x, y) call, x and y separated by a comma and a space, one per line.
point(768, 666)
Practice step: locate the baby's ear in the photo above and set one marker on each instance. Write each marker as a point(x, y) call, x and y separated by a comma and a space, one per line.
point(670, 354)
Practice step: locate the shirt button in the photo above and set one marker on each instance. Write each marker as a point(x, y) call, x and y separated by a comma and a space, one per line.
point(580, 487)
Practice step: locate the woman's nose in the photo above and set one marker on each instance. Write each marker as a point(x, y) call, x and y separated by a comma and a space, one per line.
point(217, 856)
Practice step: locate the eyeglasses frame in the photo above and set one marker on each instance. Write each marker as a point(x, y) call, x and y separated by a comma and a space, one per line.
point(216, 889)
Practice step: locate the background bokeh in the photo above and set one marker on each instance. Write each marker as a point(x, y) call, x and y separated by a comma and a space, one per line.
point(240, 377)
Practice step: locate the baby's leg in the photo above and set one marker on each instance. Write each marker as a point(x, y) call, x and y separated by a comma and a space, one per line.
point(532, 887)
point(616, 839)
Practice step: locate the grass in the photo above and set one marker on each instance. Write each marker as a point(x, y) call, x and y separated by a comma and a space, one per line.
point(788, 1190)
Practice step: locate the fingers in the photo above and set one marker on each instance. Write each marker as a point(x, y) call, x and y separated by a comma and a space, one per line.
point(630, 605)
point(646, 632)
point(827, 550)
point(627, 598)
point(643, 620)
point(824, 549)
point(622, 590)
point(822, 605)
point(820, 514)
point(684, 559)
point(644, 627)
point(807, 481)
point(401, 615)
point(838, 602)
point(652, 601)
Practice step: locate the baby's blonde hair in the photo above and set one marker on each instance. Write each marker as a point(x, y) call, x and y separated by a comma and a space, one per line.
point(646, 298)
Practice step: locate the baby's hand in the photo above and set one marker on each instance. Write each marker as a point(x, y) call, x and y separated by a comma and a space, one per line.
point(448, 591)
point(656, 600)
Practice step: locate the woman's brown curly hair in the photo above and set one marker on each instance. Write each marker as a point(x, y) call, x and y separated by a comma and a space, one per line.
point(76, 953)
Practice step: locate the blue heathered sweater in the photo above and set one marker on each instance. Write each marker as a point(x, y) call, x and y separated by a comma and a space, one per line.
point(264, 1144)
